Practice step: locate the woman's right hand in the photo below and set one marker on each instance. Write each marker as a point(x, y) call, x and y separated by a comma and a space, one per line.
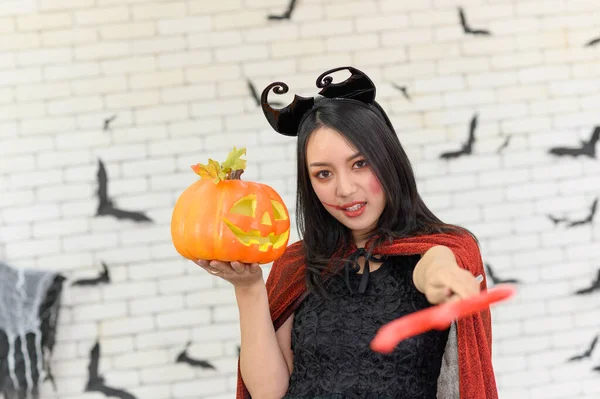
point(241, 275)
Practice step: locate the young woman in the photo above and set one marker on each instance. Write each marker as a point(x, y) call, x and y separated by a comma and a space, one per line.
point(371, 252)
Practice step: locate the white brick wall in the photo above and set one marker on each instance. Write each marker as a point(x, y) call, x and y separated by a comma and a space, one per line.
point(174, 75)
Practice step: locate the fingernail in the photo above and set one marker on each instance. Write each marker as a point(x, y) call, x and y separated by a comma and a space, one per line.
point(479, 278)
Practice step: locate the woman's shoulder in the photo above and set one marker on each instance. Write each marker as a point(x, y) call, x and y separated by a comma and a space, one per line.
point(292, 257)
point(460, 237)
point(468, 240)
point(291, 253)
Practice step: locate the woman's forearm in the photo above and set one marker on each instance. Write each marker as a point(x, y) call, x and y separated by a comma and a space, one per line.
point(262, 364)
point(435, 256)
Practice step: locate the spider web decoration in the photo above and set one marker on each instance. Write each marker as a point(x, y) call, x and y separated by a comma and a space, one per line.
point(29, 307)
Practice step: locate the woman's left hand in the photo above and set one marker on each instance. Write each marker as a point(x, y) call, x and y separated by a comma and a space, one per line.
point(449, 282)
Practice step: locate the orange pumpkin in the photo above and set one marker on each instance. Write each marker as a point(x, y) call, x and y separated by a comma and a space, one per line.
point(224, 218)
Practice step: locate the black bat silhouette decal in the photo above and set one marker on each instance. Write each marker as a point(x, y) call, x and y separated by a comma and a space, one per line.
point(106, 205)
point(256, 97)
point(497, 280)
point(588, 148)
point(103, 278)
point(403, 90)
point(574, 223)
point(595, 286)
point(556, 220)
point(466, 148)
point(184, 358)
point(108, 121)
point(593, 42)
point(287, 14)
point(588, 219)
point(467, 29)
point(586, 353)
point(96, 382)
point(504, 145)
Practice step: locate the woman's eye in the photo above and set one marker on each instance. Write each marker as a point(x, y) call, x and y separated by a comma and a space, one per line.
point(323, 174)
point(360, 164)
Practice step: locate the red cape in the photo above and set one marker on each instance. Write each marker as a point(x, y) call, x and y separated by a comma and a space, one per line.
point(286, 289)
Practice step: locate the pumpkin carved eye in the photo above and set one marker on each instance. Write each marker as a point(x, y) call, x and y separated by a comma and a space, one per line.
point(278, 211)
point(245, 206)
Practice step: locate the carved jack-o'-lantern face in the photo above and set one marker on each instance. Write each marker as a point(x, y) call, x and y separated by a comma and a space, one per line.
point(258, 220)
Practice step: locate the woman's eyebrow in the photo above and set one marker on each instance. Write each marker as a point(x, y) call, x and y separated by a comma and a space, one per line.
point(350, 158)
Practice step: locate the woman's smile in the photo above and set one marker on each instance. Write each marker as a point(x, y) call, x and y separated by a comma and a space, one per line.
point(352, 209)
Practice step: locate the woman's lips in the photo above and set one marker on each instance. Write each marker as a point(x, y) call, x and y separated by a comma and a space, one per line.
point(357, 212)
point(358, 208)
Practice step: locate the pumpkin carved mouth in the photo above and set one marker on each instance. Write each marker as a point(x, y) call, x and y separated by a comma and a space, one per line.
point(255, 237)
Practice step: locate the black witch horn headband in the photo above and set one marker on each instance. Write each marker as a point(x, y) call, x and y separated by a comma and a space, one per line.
point(287, 120)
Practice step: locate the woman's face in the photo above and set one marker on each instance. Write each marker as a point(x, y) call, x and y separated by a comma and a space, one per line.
point(344, 182)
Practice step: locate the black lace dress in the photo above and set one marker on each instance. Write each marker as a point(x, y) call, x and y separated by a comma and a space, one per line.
point(330, 340)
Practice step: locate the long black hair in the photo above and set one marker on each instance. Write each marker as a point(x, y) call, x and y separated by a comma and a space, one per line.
point(370, 131)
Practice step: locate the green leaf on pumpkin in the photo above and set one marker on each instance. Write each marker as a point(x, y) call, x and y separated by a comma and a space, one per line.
point(210, 171)
point(233, 161)
point(219, 172)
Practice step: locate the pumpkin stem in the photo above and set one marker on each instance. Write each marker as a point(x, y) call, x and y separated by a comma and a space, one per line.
point(235, 175)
